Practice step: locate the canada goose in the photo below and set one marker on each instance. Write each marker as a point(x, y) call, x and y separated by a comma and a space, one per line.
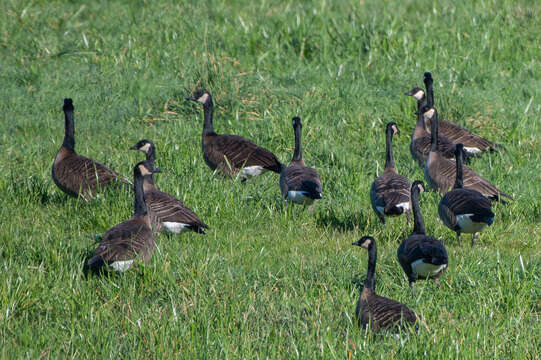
point(373, 310)
point(390, 193)
point(299, 183)
point(124, 243)
point(457, 134)
point(440, 172)
point(166, 211)
point(232, 154)
point(465, 210)
point(420, 137)
point(74, 174)
point(421, 256)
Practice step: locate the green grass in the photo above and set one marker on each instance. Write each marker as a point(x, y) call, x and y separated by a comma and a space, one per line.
point(262, 284)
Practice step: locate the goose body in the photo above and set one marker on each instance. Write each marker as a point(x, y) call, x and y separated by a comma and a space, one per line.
point(373, 310)
point(166, 212)
point(440, 172)
point(390, 192)
point(465, 210)
point(419, 255)
point(473, 144)
point(299, 183)
point(232, 154)
point(132, 239)
point(74, 174)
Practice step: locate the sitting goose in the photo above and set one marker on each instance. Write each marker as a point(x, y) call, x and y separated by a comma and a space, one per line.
point(74, 174)
point(166, 211)
point(124, 243)
point(465, 210)
point(373, 310)
point(473, 144)
point(440, 172)
point(298, 182)
point(390, 193)
point(232, 154)
point(421, 256)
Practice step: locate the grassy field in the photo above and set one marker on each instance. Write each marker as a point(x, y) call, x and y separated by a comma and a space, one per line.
point(261, 283)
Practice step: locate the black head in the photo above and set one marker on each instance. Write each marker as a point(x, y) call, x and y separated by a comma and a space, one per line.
point(365, 242)
point(459, 149)
point(145, 168)
point(68, 105)
point(418, 185)
point(143, 145)
point(417, 93)
point(296, 121)
point(201, 96)
point(428, 78)
point(393, 127)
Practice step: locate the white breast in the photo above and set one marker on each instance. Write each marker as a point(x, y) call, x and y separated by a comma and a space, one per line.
point(299, 197)
point(422, 269)
point(175, 227)
point(121, 266)
point(467, 225)
point(251, 171)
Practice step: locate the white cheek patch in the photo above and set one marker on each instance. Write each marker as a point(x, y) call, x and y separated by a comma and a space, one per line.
point(467, 225)
point(422, 269)
point(251, 171)
point(429, 113)
point(419, 95)
point(121, 266)
point(175, 227)
point(299, 197)
point(472, 150)
point(145, 147)
point(203, 98)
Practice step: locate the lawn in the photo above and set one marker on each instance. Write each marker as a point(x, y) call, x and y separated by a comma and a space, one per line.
point(262, 283)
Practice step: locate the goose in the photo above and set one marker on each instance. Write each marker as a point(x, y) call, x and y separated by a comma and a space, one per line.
point(472, 143)
point(132, 239)
point(421, 256)
point(465, 210)
point(299, 183)
point(440, 172)
point(74, 174)
point(390, 193)
point(166, 211)
point(232, 154)
point(373, 310)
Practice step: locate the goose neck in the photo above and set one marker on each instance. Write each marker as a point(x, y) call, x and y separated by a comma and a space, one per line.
point(370, 282)
point(139, 205)
point(69, 130)
point(389, 159)
point(418, 223)
point(297, 154)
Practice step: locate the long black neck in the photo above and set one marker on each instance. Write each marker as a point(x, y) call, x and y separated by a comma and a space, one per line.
point(429, 92)
point(151, 154)
point(297, 154)
point(420, 105)
point(458, 180)
point(208, 110)
point(418, 223)
point(434, 132)
point(370, 282)
point(69, 130)
point(389, 160)
point(139, 205)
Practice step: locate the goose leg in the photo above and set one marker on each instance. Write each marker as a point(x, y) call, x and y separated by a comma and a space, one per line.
point(458, 237)
point(407, 217)
point(285, 201)
point(474, 238)
point(412, 291)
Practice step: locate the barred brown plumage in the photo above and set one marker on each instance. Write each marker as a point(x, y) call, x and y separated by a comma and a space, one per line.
point(375, 311)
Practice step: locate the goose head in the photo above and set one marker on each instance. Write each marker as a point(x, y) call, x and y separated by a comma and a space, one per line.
point(201, 96)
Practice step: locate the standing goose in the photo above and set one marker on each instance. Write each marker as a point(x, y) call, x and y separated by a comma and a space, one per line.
point(299, 183)
point(457, 134)
point(390, 193)
point(374, 310)
point(166, 211)
point(440, 172)
point(421, 256)
point(465, 210)
point(232, 154)
point(75, 174)
point(132, 239)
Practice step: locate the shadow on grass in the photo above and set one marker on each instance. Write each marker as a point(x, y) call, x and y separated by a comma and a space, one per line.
point(341, 222)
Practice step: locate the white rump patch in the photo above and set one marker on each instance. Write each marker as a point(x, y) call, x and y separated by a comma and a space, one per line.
point(419, 95)
point(405, 206)
point(420, 268)
point(467, 225)
point(121, 266)
point(175, 227)
point(472, 150)
point(251, 171)
point(299, 197)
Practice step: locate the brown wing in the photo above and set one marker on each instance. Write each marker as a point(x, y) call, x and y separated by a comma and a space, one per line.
point(126, 241)
point(420, 148)
point(76, 174)
point(382, 312)
point(231, 153)
point(389, 190)
point(301, 178)
point(165, 207)
point(458, 134)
